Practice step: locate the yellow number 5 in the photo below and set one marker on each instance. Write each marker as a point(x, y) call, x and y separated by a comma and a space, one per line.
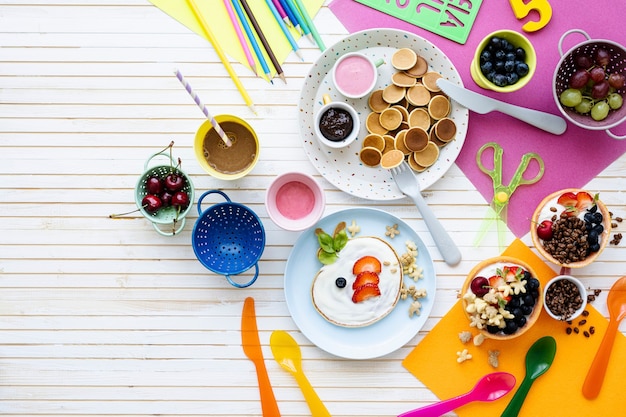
point(521, 9)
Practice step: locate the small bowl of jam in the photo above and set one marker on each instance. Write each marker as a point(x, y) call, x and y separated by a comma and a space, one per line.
point(336, 123)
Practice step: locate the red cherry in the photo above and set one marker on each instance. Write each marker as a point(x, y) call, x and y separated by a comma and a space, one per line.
point(174, 182)
point(166, 198)
point(154, 185)
point(479, 286)
point(180, 199)
point(151, 203)
point(544, 230)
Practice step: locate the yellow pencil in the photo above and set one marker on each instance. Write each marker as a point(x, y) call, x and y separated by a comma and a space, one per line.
point(220, 53)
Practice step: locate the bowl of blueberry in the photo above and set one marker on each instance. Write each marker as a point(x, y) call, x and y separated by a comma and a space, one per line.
point(504, 61)
point(571, 227)
point(502, 297)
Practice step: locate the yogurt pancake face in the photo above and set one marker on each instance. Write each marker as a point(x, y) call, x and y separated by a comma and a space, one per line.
point(367, 296)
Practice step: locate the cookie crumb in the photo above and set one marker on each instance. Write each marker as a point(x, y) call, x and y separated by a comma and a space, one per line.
point(493, 358)
point(392, 231)
point(465, 336)
point(479, 339)
point(463, 356)
point(415, 308)
point(353, 229)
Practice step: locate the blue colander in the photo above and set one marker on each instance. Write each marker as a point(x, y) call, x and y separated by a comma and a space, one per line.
point(228, 239)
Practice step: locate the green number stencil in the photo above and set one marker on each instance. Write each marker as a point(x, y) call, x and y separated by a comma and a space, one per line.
point(452, 19)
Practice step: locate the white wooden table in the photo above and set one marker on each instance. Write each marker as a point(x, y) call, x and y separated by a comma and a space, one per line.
point(106, 317)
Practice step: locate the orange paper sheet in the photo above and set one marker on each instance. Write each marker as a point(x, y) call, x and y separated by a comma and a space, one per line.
point(557, 393)
point(220, 24)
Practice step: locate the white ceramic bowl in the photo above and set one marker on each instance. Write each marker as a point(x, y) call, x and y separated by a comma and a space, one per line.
point(581, 290)
point(340, 105)
point(295, 201)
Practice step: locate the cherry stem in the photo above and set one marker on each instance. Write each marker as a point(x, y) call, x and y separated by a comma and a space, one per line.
point(114, 216)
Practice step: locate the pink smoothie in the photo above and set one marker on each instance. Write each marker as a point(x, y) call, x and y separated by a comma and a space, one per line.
point(295, 200)
point(354, 75)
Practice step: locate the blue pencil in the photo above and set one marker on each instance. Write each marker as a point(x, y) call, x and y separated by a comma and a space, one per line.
point(309, 23)
point(283, 26)
point(255, 44)
point(299, 19)
point(290, 15)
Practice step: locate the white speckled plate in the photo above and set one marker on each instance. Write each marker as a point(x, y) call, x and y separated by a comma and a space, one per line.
point(380, 338)
point(342, 167)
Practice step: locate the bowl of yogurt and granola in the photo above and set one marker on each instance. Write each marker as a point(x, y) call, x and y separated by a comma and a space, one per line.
point(502, 297)
point(571, 227)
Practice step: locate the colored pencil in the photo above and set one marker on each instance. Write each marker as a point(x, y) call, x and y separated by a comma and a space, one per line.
point(266, 45)
point(240, 35)
point(312, 28)
point(284, 28)
point(195, 98)
point(253, 42)
point(282, 13)
point(291, 16)
point(220, 53)
point(301, 22)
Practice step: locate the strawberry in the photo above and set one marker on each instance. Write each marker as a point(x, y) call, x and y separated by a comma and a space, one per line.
point(584, 200)
point(574, 203)
point(365, 292)
point(567, 199)
point(364, 278)
point(496, 281)
point(512, 273)
point(367, 263)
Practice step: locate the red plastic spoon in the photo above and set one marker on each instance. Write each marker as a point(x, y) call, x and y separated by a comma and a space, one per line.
point(488, 388)
point(616, 303)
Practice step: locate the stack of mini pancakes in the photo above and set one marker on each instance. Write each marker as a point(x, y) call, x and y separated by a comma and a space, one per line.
point(409, 115)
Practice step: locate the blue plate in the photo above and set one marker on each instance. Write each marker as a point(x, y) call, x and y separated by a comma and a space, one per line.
point(375, 340)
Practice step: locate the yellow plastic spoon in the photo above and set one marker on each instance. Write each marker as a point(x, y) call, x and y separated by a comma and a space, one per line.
point(287, 353)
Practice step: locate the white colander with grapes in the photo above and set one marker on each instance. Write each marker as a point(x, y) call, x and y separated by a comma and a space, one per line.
point(592, 53)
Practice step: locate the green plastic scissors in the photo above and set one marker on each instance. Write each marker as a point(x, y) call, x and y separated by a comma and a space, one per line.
point(502, 193)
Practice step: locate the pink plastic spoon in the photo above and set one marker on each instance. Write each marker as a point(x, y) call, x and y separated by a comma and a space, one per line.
point(488, 388)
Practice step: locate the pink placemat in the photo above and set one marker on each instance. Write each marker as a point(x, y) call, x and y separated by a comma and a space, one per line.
point(572, 159)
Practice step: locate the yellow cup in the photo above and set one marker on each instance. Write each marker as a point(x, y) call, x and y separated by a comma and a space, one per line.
point(221, 161)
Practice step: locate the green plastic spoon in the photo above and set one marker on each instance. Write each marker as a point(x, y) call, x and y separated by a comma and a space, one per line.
point(287, 353)
point(538, 360)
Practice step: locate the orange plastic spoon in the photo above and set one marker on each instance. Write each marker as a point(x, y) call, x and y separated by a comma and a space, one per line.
point(616, 303)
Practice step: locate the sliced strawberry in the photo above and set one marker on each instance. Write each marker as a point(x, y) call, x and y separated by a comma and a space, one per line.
point(568, 199)
point(364, 278)
point(512, 273)
point(584, 200)
point(365, 292)
point(496, 281)
point(367, 263)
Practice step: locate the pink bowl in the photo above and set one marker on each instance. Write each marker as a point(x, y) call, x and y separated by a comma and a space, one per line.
point(295, 201)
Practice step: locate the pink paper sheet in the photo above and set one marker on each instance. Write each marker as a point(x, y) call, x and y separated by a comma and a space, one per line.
point(572, 159)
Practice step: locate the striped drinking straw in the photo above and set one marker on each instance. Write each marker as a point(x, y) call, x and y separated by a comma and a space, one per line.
point(195, 97)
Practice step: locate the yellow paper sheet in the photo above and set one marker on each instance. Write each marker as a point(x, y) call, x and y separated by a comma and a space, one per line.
point(557, 393)
point(214, 12)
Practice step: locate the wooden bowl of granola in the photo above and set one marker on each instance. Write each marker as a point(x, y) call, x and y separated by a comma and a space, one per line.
point(502, 297)
point(571, 227)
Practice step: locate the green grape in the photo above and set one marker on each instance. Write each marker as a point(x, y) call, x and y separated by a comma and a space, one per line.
point(571, 97)
point(615, 101)
point(600, 110)
point(584, 106)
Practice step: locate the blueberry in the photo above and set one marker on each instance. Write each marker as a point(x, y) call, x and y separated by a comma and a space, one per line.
point(500, 55)
point(509, 66)
point(520, 53)
point(598, 229)
point(513, 303)
point(504, 44)
point(594, 248)
point(493, 329)
point(532, 284)
point(588, 217)
point(593, 208)
point(522, 69)
point(492, 75)
point(495, 42)
point(526, 309)
point(486, 67)
point(592, 238)
point(510, 328)
point(485, 56)
point(529, 300)
point(597, 217)
point(499, 67)
point(512, 78)
point(510, 56)
point(500, 80)
point(520, 321)
point(517, 312)
point(340, 282)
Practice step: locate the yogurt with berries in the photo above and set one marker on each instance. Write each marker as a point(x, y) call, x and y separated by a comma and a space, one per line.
point(501, 297)
point(571, 227)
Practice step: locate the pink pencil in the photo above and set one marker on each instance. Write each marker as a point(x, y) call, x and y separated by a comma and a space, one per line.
point(282, 12)
point(242, 38)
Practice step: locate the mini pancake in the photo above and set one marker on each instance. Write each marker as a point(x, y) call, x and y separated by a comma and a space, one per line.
point(398, 142)
point(376, 102)
point(390, 118)
point(390, 143)
point(393, 94)
point(428, 156)
point(403, 110)
point(372, 124)
point(402, 79)
point(445, 129)
point(439, 107)
point(435, 139)
point(403, 126)
point(370, 156)
point(416, 139)
point(414, 165)
point(418, 95)
point(419, 69)
point(430, 81)
point(392, 159)
point(404, 59)
point(374, 140)
point(419, 117)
